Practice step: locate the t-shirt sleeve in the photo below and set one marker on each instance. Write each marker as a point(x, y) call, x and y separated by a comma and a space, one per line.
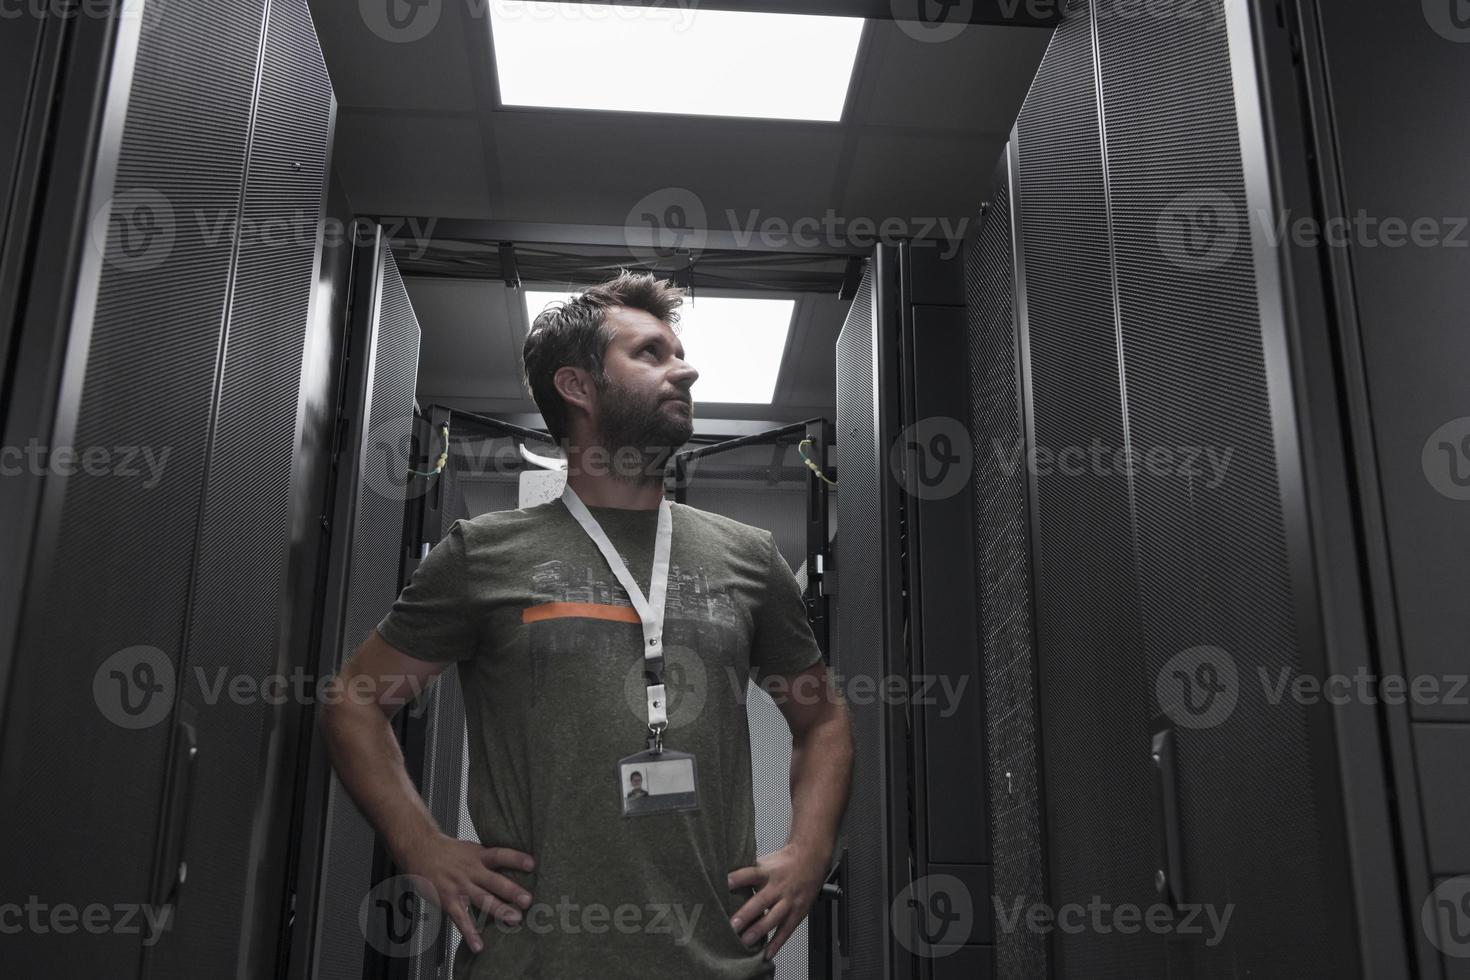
point(783, 643)
point(433, 619)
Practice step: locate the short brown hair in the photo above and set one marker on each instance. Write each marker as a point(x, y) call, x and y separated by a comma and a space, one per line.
point(575, 333)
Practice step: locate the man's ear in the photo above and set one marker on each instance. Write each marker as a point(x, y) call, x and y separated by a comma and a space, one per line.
point(576, 387)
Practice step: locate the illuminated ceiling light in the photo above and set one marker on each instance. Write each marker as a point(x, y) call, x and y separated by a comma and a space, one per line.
point(673, 59)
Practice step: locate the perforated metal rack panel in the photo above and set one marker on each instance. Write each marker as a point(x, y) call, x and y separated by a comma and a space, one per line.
point(108, 600)
point(1003, 559)
point(1210, 536)
point(373, 584)
point(244, 532)
point(1094, 685)
point(856, 620)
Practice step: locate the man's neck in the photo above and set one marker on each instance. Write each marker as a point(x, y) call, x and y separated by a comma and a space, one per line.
point(608, 490)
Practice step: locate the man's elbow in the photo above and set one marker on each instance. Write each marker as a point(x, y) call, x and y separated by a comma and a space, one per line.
point(830, 726)
point(842, 720)
point(329, 716)
point(336, 712)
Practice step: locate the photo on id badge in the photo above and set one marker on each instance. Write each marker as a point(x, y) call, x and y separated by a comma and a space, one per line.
point(657, 782)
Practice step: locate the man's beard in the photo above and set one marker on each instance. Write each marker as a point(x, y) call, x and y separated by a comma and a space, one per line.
point(643, 424)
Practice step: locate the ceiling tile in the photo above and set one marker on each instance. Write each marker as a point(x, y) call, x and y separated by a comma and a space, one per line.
point(406, 164)
point(420, 65)
point(920, 179)
point(974, 82)
point(593, 168)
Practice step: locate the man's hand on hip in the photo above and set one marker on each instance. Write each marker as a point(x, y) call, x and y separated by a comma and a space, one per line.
point(786, 883)
point(463, 874)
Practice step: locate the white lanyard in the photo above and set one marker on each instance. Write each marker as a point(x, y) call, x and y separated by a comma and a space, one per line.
point(651, 610)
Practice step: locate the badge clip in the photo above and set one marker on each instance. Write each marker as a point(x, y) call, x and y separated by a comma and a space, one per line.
point(656, 739)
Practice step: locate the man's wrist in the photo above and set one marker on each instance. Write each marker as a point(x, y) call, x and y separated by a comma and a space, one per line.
point(816, 849)
point(405, 847)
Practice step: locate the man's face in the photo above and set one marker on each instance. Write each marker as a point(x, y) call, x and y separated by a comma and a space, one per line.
point(646, 403)
point(636, 780)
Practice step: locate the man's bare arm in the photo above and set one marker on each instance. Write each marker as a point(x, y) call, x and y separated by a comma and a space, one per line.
point(821, 774)
point(359, 703)
point(821, 759)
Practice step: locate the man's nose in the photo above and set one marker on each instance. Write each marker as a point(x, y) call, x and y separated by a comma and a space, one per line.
point(685, 375)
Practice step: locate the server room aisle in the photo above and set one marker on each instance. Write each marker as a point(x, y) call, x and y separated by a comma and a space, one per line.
point(1081, 395)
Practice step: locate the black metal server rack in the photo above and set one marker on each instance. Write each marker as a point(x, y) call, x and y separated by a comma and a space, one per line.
point(1139, 290)
point(123, 324)
point(337, 860)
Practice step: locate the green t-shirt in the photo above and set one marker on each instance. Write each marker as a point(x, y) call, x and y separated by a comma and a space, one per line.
point(550, 660)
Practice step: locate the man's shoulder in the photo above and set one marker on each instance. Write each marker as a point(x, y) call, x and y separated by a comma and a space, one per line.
point(493, 518)
point(727, 527)
point(502, 525)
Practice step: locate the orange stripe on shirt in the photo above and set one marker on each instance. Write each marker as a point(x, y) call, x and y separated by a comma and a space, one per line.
point(579, 610)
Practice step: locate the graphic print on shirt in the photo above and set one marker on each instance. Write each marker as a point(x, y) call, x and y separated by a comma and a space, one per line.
point(583, 632)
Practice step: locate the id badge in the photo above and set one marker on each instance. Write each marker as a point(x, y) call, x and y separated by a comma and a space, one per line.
point(657, 782)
